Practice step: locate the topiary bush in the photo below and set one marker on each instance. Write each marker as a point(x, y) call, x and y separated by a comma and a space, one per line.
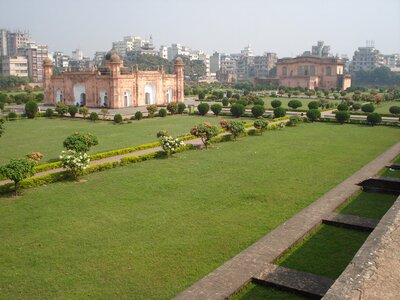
point(202, 95)
point(342, 107)
point(93, 116)
point(84, 111)
point(313, 105)
point(342, 116)
point(31, 109)
point(313, 114)
point(276, 103)
point(356, 106)
point(203, 108)
point(258, 111)
point(279, 112)
point(49, 113)
point(259, 102)
point(237, 110)
point(117, 119)
point(374, 118)
point(394, 110)
point(368, 108)
point(12, 116)
point(152, 109)
point(216, 108)
point(138, 115)
point(295, 104)
point(181, 107)
point(172, 108)
point(162, 113)
point(225, 102)
point(72, 110)
point(61, 109)
point(242, 101)
point(80, 142)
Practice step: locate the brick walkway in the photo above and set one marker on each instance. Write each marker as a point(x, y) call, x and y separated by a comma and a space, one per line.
point(253, 261)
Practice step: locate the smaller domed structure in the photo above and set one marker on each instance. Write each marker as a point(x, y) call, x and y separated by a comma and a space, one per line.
point(113, 56)
point(178, 61)
point(47, 61)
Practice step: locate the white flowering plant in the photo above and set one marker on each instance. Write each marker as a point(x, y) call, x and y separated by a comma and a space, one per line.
point(74, 162)
point(170, 145)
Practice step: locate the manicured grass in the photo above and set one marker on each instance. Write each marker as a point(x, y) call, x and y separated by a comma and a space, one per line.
point(152, 229)
point(46, 135)
point(285, 101)
point(384, 106)
point(390, 173)
point(326, 252)
point(258, 292)
point(369, 204)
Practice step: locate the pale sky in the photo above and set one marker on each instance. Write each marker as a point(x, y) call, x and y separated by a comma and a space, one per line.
point(287, 27)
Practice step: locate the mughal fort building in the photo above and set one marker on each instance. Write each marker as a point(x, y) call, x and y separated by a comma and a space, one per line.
point(312, 72)
point(113, 86)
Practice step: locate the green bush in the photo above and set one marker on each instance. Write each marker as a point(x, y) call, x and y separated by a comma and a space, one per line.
point(313, 114)
point(343, 107)
point(295, 104)
point(94, 116)
point(117, 119)
point(258, 111)
point(72, 110)
point(293, 121)
point(242, 101)
point(172, 107)
point(342, 116)
point(61, 109)
point(202, 95)
point(162, 113)
point(237, 110)
point(313, 105)
point(279, 112)
point(12, 116)
point(216, 108)
point(17, 170)
point(49, 113)
point(374, 118)
point(259, 102)
point(394, 110)
point(260, 124)
point(368, 108)
point(276, 103)
point(181, 107)
point(152, 109)
point(203, 108)
point(138, 115)
point(31, 109)
point(356, 106)
point(225, 102)
point(80, 142)
point(84, 111)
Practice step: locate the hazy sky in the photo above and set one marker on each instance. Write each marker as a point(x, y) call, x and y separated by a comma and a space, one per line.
point(287, 27)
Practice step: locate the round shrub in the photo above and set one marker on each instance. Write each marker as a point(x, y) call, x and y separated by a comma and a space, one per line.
point(279, 112)
point(118, 118)
point(368, 108)
point(138, 115)
point(172, 107)
point(237, 110)
point(257, 110)
point(244, 102)
point(80, 142)
point(225, 102)
point(202, 95)
point(216, 108)
point(72, 110)
point(394, 110)
point(31, 109)
point(49, 113)
point(259, 102)
point(313, 114)
point(342, 107)
point(12, 116)
point(93, 116)
point(356, 106)
point(181, 107)
point(276, 103)
point(203, 108)
point(342, 116)
point(313, 105)
point(374, 118)
point(295, 104)
point(162, 112)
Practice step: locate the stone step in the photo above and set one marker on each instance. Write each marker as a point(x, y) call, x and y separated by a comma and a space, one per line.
point(301, 282)
point(351, 221)
point(381, 184)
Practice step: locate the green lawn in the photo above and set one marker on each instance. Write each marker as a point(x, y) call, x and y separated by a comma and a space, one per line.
point(258, 292)
point(390, 173)
point(285, 101)
point(368, 204)
point(46, 135)
point(326, 252)
point(384, 106)
point(152, 229)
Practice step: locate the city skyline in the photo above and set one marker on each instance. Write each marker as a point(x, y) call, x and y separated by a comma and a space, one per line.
point(212, 27)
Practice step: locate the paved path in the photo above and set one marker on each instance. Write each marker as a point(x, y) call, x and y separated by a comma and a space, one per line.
point(253, 261)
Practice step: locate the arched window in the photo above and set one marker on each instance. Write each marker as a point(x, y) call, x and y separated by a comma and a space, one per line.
point(127, 98)
point(328, 71)
point(58, 96)
point(284, 71)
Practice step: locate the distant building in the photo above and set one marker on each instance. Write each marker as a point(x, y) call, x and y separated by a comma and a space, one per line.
point(392, 61)
point(36, 54)
point(128, 44)
point(177, 50)
point(262, 65)
point(215, 62)
point(99, 57)
point(15, 66)
point(311, 72)
point(61, 61)
point(227, 71)
point(163, 53)
point(147, 48)
point(77, 54)
point(320, 49)
point(367, 59)
point(10, 41)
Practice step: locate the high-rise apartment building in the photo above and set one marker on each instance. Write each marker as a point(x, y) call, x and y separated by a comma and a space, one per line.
point(15, 66)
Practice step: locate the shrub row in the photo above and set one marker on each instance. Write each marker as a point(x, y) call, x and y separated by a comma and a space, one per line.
point(360, 121)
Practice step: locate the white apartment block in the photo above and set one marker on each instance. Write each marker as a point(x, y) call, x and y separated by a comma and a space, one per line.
point(15, 66)
point(367, 59)
point(163, 52)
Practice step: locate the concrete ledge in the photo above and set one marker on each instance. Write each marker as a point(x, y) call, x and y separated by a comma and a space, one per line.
point(350, 221)
point(301, 282)
point(381, 184)
point(395, 166)
point(374, 271)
